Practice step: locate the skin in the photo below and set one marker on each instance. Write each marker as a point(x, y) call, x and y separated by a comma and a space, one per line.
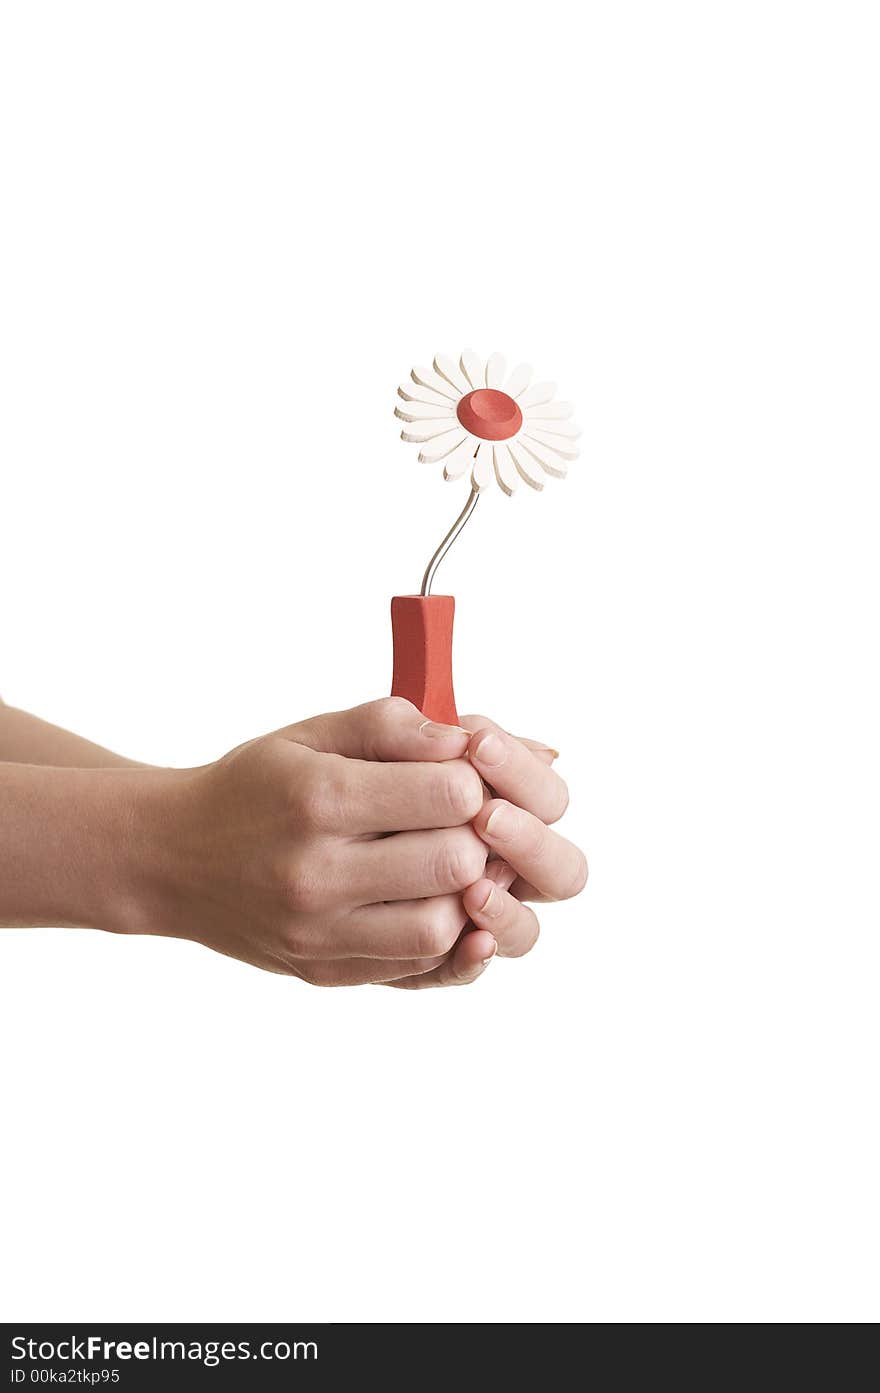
point(359, 846)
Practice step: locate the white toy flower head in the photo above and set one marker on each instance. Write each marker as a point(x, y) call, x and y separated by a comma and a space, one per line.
point(480, 423)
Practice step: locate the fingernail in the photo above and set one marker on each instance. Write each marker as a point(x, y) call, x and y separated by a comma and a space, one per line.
point(486, 961)
point(435, 731)
point(547, 750)
point(502, 874)
point(493, 904)
point(502, 822)
point(490, 750)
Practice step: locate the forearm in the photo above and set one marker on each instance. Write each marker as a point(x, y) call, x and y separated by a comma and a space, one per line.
point(69, 845)
point(25, 739)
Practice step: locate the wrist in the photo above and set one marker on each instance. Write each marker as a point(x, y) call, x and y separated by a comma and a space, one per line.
point(61, 846)
point(142, 877)
point(125, 834)
point(83, 848)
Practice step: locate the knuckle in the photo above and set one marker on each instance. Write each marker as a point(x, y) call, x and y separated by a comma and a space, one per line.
point(321, 794)
point(303, 787)
point(432, 943)
point(463, 859)
point(392, 709)
point(304, 887)
point(383, 719)
point(462, 790)
point(477, 722)
point(439, 932)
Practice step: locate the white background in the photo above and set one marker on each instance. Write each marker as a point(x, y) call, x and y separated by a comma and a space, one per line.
point(228, 231)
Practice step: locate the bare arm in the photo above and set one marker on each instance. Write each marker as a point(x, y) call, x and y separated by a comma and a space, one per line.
point(25, 739)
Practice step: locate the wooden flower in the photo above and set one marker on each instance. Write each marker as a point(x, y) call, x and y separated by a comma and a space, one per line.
point(481, 423)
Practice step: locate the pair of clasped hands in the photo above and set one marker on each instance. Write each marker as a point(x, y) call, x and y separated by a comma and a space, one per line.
point(372, 845)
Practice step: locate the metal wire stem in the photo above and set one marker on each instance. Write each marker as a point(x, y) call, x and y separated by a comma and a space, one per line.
point(455, 529)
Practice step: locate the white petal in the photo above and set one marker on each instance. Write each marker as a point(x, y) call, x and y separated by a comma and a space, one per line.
point(453, 374)
point(537, 395)
point(557, 444)
point(472, 367)
point(518, 380)
point(505, 471)
point(410, 392)
point(566, 428)
point(426, 430)
point(460, 461)
point(422, 411)
point(549, 460)
point(526, 467)
point(481, 474)
point(427, 377)
point(442, 446)
point(551, 411)
point(495, 370)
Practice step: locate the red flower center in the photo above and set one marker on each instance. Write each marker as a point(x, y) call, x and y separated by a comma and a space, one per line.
point(489, 414)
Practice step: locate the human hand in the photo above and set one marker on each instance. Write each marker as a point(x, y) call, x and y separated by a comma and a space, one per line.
point(297, 851)
point(335, 850)
point(528, 861)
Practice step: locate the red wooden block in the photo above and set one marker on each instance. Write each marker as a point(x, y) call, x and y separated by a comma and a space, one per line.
point(421, 626)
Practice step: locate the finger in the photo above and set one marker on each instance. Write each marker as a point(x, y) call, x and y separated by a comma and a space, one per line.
point(410, 929)
point(355, 796)
point(541, 752)
point(389, 729)
point(522, 890)
point(360, 972)
point(505, 876)
point(513, 925)
point(517, 775)
point(412, 865)
point(545, 753)
point(469, 961)
point(553, 865)
point(499, 872)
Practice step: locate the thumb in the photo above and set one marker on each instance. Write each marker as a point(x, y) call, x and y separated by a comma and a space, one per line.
point(389, 729)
